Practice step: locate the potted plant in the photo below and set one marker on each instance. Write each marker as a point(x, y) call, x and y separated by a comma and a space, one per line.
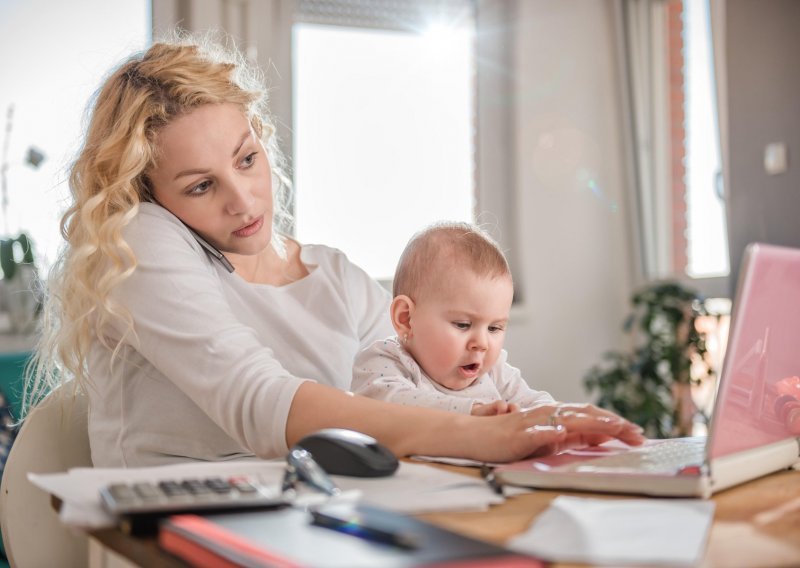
point(20, 285)
point(651, 385)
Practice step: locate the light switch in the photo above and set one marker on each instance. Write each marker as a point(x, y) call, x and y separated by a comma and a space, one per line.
point(775, 160)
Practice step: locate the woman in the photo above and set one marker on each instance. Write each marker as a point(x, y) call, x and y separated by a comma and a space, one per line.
point(197, 329)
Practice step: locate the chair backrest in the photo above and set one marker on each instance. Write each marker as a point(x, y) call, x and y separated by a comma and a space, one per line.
point(53, 438)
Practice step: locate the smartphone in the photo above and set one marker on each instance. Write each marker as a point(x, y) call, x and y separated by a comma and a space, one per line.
point(211, 250)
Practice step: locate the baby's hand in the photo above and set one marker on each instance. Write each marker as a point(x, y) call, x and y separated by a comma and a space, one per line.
point(493, 408)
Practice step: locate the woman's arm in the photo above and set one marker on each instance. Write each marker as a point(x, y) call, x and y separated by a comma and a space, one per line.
point(413, 430)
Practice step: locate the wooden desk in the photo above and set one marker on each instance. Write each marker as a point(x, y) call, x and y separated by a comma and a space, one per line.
point(755, 525)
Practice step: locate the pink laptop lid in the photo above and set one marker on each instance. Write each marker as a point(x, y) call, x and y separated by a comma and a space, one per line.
point(758, 402)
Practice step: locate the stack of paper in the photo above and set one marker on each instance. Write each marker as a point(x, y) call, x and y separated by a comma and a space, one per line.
point(413, 489)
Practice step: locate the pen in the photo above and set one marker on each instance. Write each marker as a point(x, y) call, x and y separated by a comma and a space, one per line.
point(300, 465)
point(354, 527)
point(488, 475)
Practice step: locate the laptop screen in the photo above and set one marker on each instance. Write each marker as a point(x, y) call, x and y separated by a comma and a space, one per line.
point(758, 402)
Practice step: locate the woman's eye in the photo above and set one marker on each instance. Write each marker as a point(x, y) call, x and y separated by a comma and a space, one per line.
point(249, 160)
point(200, 188)
point(461, 324)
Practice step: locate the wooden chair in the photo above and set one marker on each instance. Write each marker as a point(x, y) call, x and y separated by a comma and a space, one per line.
point(53, 438)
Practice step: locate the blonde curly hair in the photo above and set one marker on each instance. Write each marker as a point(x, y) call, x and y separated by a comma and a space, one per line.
point(108, 180)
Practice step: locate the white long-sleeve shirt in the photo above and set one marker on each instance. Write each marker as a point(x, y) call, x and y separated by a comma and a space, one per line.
point(216, 360)
point(386, 371)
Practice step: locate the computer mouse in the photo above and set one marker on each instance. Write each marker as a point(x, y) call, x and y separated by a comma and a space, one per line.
point(347, 452)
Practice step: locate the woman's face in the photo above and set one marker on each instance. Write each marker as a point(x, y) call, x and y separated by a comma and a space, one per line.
point(214, 175)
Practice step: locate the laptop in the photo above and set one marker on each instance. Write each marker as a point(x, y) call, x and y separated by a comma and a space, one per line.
point(755, 424)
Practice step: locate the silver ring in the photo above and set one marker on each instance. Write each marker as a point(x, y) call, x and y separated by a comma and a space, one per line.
point(553, 418)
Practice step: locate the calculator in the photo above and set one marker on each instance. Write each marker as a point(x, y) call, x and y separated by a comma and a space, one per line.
point(190, 495)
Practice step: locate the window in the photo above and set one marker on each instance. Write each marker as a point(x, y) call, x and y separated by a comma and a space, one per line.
point(706, 234)
point(383, 127)
point(675, 134)
point(55, 55)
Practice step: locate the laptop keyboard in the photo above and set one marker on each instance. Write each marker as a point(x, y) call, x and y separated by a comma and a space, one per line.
point(684, 455)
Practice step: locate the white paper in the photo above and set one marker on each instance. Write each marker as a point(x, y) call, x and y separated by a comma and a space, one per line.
point(417, 488)
point(620, 531)
point(414, 488)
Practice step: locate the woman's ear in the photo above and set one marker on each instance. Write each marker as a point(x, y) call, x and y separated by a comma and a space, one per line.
point(401, 311)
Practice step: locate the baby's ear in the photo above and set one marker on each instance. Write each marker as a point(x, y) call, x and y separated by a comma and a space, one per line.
point(401, 310)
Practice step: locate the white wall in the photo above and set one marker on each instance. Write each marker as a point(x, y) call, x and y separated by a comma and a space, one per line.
point(574, 237)
point(763, 89)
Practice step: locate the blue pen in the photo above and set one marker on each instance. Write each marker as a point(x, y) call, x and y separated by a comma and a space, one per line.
point(353, 526)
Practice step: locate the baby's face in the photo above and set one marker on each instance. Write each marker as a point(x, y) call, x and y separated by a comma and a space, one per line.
point(457, 331)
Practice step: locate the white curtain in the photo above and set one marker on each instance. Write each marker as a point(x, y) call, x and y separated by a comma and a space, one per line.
point(646, 85)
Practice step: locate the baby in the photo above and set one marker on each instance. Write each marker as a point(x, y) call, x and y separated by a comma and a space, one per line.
point(452, 296)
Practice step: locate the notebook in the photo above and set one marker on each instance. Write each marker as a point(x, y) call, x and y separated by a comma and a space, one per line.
point(351, 536)
point(756, 419)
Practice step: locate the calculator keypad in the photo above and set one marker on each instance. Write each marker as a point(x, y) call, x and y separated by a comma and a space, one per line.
point(189, 494)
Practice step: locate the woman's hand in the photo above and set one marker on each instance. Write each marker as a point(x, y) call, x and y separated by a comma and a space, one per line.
point(408, 430)
point(547, 429)
point(588, 425)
